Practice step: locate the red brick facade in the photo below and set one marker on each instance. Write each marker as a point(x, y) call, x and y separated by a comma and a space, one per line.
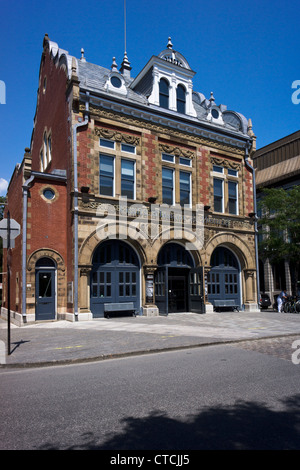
point(49, 165)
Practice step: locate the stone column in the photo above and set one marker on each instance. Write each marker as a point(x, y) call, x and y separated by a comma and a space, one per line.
point(250, 300)
point(149, 307)
point(208, 306)
point(84, 293)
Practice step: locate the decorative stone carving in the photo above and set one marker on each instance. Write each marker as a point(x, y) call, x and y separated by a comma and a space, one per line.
point(117, 136)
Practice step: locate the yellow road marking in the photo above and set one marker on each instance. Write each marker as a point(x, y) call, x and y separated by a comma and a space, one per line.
point(69, 347)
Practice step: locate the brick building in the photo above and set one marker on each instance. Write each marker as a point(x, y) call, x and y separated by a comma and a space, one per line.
point(134, 190)
point(277, 165)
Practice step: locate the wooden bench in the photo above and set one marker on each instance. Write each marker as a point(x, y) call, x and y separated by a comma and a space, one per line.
point(232, 304)
point(115, 308)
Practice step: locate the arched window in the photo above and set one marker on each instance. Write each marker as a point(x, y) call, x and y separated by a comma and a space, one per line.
point(180, 95)
point(164, 93)
point(115, 276)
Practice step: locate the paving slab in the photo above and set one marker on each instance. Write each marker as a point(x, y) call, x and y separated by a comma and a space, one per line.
point(61, 342)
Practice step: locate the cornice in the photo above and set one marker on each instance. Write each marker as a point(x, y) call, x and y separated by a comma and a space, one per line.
point(163, 124)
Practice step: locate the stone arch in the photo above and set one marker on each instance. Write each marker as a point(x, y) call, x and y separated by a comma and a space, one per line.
point(46, 253)
point(187, 242)
point(236, 244)
point(90, 244)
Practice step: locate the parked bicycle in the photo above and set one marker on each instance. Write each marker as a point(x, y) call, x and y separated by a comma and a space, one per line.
point(292, 305)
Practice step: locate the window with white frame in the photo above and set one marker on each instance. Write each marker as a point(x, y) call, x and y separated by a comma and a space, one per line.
point(168, 186)
point(225, 189)
point(218, 195)
point(176, 183)
point(180, 98)
point(106, 175)
point(164, 93)
point(232, 197)
point(128, 178)
point(185, 188)
point(117, 172)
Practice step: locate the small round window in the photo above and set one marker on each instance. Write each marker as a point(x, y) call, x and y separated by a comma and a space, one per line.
point(116, 82)
point(215, 113)
point(49, 194)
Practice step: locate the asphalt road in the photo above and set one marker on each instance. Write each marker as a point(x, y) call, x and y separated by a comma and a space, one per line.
point(241, 396)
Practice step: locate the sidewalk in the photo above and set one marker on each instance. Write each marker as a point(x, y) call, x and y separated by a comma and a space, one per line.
point(54, 343)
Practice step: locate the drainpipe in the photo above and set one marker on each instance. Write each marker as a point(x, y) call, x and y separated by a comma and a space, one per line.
point(75, 127)
point(24, 242)
point(255, 218)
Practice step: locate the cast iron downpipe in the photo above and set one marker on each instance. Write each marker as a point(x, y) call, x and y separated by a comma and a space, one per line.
point(75, 127)
point(250, 167)
point(24, 242)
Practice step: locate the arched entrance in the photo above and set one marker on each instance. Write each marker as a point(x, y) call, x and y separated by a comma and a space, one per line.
point(178, 284)
point(115, 276)
point(223, 280)
point(45, 297)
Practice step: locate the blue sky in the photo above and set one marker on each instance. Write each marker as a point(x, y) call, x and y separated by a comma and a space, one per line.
point(247, 53)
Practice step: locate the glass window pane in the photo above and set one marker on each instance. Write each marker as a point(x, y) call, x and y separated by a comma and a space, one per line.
point(164, 93)
point(185, 181)
point(185, 161)
point(107, 143)
point(106, 165)
point(127, 178)
point(45, 284)
point(180, 99)
point(106, 175)
point(167, 158)
point(218, 169)
point(128, 148)
point(167, 186)
point(218, 195)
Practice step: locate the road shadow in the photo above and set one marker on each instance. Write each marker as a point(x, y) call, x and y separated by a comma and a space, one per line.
point(244, 426)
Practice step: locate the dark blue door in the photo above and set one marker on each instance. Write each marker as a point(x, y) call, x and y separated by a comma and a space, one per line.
point(115, 276)
point(223, 280)
point(45, 294)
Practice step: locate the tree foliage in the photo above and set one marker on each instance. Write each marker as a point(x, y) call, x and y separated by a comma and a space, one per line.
point(280, 226)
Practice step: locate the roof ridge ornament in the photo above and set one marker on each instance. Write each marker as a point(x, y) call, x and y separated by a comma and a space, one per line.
point(169, 45)
point(211, 99)
point(125, 66)
point(82, 58)
point(114, 66)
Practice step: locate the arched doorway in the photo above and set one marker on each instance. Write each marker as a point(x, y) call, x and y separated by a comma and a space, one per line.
point(178, 284)
point(223, 280)
point(115, 276)
point(45, 291)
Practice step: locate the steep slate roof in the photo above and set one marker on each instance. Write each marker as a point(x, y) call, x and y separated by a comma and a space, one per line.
point(94, 78)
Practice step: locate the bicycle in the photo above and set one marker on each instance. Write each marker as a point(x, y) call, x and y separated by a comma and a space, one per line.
point(292, 305)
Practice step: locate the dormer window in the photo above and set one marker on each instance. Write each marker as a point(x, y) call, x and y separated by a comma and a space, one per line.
point(166, 81)
point(164, 93)
point(180, 96)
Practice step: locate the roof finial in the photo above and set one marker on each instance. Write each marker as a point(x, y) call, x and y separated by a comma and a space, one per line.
point(211, 99)
point(125, 66)
point(169, 45)
point(82, 55)
point(114, 65)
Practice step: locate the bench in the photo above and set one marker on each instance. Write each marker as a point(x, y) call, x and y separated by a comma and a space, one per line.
point(125, 307)
point(232, 304)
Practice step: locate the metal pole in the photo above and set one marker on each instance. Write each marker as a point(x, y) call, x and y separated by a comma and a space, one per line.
point(8, 283)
